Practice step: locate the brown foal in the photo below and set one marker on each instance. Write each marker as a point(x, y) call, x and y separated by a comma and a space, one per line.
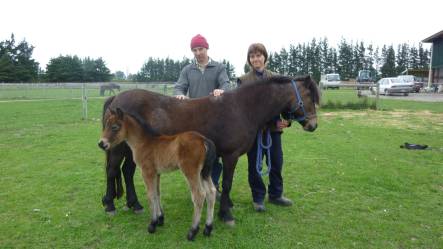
point(190, 152)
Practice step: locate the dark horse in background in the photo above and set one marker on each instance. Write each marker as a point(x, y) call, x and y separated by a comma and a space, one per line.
point(231, 121)
point(109, 87)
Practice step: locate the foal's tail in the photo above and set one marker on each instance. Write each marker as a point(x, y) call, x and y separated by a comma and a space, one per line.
point(210, 157)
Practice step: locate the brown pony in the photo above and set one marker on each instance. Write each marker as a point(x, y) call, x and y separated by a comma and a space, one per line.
point(189, 151)
point(231, 121)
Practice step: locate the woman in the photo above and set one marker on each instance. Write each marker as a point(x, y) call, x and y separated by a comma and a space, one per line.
point(257, 57)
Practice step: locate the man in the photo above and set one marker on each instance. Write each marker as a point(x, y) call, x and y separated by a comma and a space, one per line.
point(201, 78)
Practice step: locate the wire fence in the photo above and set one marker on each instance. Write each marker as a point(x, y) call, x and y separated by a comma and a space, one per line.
point(80, 91)
point(30, 91)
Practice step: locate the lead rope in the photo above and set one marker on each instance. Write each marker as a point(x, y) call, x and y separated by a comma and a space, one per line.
point(260, 148)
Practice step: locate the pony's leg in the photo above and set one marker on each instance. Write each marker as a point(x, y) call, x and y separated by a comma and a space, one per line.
point(198, 198)
point(229, 163)
point(210, 202)
point(151, 189)
point(113, 160)
point(128, 169)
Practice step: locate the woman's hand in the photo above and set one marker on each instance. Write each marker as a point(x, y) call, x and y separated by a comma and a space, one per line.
point(281, 124)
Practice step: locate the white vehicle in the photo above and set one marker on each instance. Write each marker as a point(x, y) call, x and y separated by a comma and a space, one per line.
point(389, 86)
point(417, 85)
point(331, 80)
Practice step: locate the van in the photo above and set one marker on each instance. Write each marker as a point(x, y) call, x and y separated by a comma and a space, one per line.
point(331, 80)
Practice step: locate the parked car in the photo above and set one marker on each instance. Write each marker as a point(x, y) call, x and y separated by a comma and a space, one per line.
point(389, 86)
point(331, 80)
point(417, 85)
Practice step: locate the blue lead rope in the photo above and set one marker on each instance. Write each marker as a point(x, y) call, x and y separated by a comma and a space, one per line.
point(260, 148)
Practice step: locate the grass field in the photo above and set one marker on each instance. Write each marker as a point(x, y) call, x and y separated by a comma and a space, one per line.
point(352, 185)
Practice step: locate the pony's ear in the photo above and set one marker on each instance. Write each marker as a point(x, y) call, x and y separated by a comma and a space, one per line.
point(119, 113)
point(307, 80)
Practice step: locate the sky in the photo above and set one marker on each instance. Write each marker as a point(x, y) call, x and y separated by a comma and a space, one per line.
point(126, 33)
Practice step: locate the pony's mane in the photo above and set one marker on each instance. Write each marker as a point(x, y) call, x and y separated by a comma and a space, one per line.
point(278, 79)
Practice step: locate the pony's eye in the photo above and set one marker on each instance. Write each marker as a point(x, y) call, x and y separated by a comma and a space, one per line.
point(115, 127)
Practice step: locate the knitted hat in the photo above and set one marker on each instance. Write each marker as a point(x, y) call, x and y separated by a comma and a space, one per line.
point(199, 41)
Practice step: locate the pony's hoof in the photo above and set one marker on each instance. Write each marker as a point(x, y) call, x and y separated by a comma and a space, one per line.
point(126, 208)
point(230, 223)
point(228, 219)
point(208, 230)
point(152, 227)
point(138, 211)
point(111, 213)
point(192, 232)
point(161, 220)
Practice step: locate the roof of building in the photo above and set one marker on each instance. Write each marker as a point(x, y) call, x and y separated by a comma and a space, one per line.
point(434, 37)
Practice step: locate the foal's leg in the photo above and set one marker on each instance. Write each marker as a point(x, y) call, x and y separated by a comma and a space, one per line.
point(160, 215)
point(198, 197)
point(149, 176)
point(210, 202)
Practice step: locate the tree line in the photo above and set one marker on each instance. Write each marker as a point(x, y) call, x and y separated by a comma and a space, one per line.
point(156, 69)
point(316, 57)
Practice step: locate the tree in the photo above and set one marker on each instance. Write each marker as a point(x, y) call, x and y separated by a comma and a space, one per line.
point(345, 61)
point(388, 69)
point(16, 63)
point(64, 69)
point(402, 58)
point(119, 76)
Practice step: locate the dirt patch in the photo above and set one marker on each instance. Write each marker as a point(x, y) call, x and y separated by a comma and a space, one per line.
point(400, 119)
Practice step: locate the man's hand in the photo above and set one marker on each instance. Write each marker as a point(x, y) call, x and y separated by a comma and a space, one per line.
point(217, 92)
point(181, 97)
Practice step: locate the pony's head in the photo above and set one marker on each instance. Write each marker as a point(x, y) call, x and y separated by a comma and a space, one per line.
point(302, 107)
point(114, 129)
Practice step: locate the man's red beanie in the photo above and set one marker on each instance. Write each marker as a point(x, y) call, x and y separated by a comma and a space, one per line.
point(199, 41)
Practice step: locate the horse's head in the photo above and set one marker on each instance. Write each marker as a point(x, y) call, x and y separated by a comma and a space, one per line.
point(114, 129)
point(303, 103)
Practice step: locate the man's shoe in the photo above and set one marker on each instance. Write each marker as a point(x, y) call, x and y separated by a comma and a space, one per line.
point(281, 201)
point(259, 207)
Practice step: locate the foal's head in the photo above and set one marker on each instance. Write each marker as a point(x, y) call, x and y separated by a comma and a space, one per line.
point(114, 129)
point(304, 101)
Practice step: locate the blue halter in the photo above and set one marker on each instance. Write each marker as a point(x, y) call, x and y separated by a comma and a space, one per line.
point(291, 114)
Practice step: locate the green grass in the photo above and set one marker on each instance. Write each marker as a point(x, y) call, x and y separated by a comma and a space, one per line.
point(352, 185)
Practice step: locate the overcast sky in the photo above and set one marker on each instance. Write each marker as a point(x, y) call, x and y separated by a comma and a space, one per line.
point(126, 33)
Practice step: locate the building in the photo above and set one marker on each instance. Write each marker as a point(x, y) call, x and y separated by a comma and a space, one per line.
point(436, 67)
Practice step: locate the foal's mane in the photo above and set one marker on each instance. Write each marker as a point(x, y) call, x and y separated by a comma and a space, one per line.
point(146, 127)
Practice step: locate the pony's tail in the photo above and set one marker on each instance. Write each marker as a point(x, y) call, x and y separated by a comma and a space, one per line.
point(210, 157)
